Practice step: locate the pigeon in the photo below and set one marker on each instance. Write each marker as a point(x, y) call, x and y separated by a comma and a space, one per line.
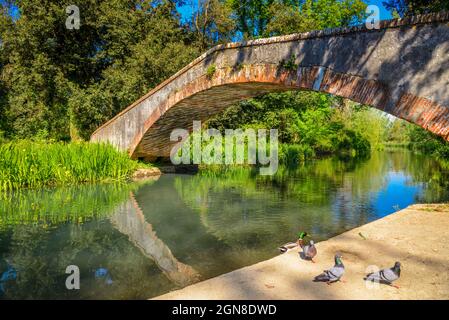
point(334, 274)
point(292, 245)
point(309, 251)
point(386, 276)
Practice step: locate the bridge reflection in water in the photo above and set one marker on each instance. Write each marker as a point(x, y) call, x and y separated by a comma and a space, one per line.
point(129, 219)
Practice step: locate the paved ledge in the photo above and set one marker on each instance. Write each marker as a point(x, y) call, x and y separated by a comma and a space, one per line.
point(418, 237)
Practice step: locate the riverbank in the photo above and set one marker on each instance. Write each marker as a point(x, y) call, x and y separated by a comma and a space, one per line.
point(416, 236)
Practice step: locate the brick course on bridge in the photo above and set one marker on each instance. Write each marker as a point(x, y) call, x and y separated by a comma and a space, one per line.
point(401, 68)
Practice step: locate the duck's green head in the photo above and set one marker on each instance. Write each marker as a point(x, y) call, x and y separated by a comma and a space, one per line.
point(302, 234)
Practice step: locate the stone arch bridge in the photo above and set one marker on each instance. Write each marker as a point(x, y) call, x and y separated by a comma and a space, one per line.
point(401, 68)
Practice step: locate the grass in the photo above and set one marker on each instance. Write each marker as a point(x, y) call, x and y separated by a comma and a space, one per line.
point(30, 164)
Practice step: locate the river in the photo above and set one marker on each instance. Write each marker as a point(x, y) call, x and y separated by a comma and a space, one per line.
point(139, 240)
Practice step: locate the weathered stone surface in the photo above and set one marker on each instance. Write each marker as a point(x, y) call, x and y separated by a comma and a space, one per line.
point(180, 168)
point(402, 68)
point(142, 173)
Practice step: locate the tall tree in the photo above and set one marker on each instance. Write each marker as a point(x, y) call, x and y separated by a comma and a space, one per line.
point(310, 15)
point(251, 16)
point(54, 76)
point(163, 50)
point(412, 7)
point(212, 22)
point(257, 18)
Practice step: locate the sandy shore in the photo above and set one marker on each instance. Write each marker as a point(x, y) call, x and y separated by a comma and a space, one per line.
point(418, 237)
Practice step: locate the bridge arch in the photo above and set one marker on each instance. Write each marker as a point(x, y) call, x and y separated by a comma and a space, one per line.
point(402, 69)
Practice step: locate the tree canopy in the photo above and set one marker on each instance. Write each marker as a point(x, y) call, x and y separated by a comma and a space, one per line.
point(413, 7)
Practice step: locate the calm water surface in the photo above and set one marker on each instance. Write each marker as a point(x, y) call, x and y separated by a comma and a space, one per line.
point(139, 240)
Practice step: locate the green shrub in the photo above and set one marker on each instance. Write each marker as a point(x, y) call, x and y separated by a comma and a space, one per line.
point(352, 144)
point(210, 71)
point(294, 154)
point(289, 64)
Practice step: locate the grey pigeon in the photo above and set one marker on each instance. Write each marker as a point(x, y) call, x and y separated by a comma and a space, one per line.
point(309, 251)
point(334, 274)
point(386, 276)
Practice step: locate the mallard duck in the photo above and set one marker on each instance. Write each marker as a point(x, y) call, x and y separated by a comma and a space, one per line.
point(334, 274)
point(287, 246)
point(386, 276)
point(292, 245)
point(301, 237)
point(309, 251)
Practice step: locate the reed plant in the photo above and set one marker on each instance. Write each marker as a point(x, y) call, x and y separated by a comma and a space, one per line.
point(31, 164)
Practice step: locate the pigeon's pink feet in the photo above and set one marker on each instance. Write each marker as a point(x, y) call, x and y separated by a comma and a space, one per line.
point(395, 286)
point(344, 281)
point(312, 260)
